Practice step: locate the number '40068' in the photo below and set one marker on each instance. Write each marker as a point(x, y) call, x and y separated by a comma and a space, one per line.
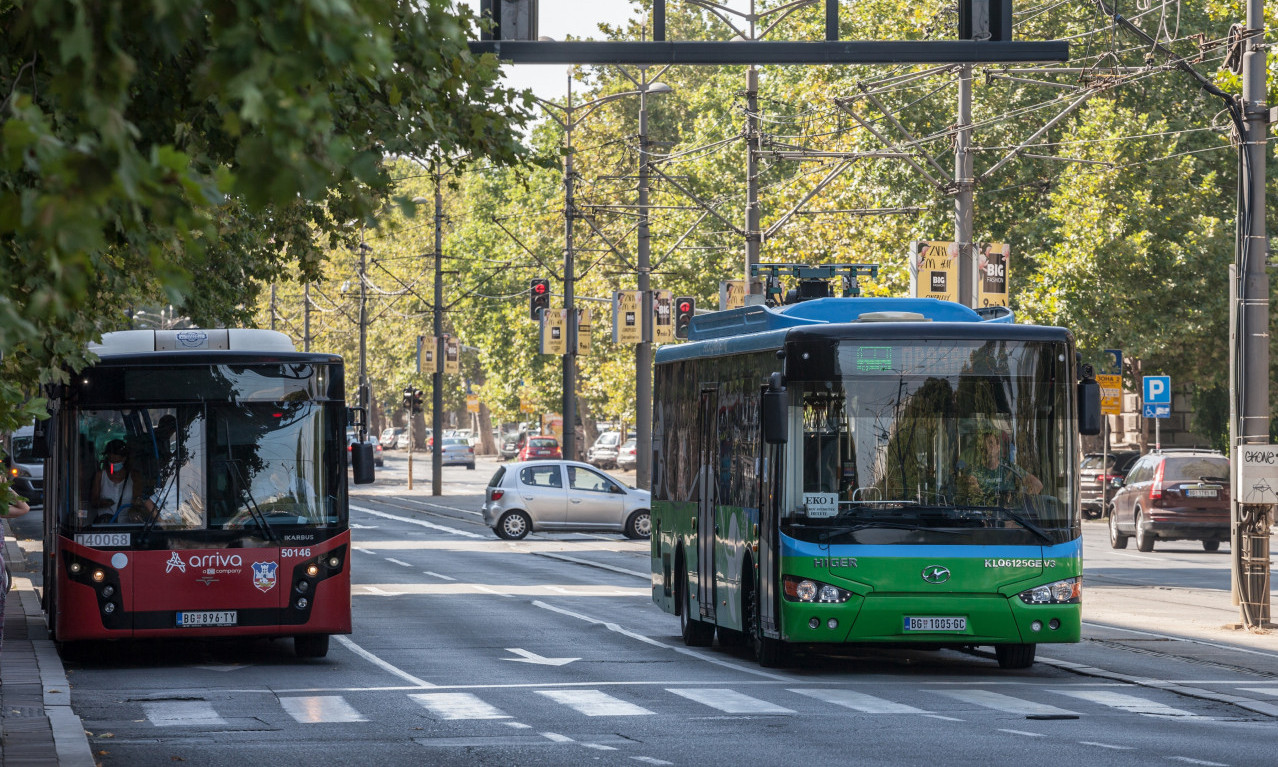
point(295, 552)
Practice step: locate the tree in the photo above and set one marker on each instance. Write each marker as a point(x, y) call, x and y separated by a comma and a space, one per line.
point(188, 153)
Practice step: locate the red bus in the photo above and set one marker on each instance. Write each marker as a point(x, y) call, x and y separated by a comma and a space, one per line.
point(197, 487)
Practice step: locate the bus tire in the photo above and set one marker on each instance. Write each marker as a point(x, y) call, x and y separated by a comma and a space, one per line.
point(696, 633)
point(310, 645)
point(769, 652)
point(1013, 656)
point(1211, 545)
point(1116, 539)
point(513, 526)
point(639, 525)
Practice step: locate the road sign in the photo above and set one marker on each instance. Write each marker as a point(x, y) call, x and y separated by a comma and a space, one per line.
point(1156, 410)
point(1113, 364)
point(1111, 393)
point(1158, 390)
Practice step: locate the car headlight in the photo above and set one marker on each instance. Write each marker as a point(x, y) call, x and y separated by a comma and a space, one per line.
point(1068, 591)
point(808, 590)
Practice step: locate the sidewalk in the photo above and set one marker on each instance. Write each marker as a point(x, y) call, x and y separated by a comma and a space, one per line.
point(38, 725)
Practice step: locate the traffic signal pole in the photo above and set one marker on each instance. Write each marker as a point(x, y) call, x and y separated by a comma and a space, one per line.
point(437, 378)
point(643, 351)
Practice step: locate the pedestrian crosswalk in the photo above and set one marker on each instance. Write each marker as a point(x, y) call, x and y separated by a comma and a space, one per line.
point(512, 704)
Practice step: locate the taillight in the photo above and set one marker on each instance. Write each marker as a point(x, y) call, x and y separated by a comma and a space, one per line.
point(1156, 489)
point(497, 494)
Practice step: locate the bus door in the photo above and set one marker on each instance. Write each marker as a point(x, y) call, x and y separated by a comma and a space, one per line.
point(769, 558)
point(707, 492)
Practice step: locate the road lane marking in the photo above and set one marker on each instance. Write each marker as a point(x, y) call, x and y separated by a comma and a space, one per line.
point(1234, 648)
point(1004, 703)
point(650, 760)
point(472, 512)
point(1023, 732)
point(557, 738)
point(859, 701)
point(183, 713)
point(1106, 745)
point(1129, 703)
point(595, 703)
point(317, 709)
point(598, 746)
point(1271, 691)
point(399, 562)
point(376, 661)
point(418, 522)
point(729, 701)
point(650, 641)
point(438, 575)
point(458, 705)
point(1188, 760)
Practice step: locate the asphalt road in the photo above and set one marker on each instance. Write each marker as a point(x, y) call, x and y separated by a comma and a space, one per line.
point(472, 650)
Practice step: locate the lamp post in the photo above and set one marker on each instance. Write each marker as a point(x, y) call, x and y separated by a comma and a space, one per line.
point(437, 376)
point(572, 114)
point(643, 351)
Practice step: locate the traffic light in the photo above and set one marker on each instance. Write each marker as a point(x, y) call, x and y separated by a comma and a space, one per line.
point(539, 296)
point(417, 400)
point(408, 398)
point(685, 307)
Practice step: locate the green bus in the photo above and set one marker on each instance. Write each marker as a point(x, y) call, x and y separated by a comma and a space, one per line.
point(870, 471)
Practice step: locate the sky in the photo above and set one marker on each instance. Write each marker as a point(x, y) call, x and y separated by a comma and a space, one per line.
point(558, 19)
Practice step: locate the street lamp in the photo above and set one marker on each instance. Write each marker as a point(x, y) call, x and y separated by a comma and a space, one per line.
point(437, 377)
point(572, 114)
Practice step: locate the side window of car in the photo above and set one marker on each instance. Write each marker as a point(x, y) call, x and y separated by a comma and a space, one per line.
point(585, 479)
point(541, 476)
point(1141, 471)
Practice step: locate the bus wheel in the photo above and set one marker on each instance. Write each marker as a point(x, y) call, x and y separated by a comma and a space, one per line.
point(513, 526)
point(1015, 655)
point(771, 653)
point(310, 645)
point(695, 633)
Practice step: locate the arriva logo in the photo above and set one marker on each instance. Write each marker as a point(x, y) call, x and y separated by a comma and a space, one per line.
point(174, 561)
point(202, 561)
point(936, 574)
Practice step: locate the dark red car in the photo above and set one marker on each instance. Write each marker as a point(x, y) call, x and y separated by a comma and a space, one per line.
point(537, 448)
point(1173, 495)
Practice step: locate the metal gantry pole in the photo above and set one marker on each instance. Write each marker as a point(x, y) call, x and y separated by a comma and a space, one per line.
point(363, 336)
point(306, 317)
point(570, 351)
point(643, 351)
point(437, 378)
point(753, 235)
point(1251, 521)
point(963, 181)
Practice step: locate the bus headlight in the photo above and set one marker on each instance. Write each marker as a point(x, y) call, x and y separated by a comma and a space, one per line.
point(1068, 591)
point(809, 590)
point(312, 569)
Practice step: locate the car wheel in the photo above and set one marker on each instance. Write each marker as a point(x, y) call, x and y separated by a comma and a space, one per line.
point(639, 525)
point(1144, 539)
point(1012, 656)
point(513, 526)
point(1211, 545)
point(1116, 539)
point(695, 633)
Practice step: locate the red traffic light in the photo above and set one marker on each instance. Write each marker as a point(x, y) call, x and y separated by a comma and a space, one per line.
point(539, 287)
point(685, 308)
point(539, 296)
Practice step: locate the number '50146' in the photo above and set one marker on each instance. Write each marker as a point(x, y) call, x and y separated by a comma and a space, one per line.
point(295, 552)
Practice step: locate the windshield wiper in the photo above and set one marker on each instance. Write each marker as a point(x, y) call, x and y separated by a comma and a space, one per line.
point(258, 516)
point(1015, 517)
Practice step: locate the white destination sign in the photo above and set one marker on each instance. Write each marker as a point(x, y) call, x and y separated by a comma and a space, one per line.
point(821, 504)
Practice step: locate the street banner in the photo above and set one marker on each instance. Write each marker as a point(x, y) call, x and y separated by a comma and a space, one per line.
point(992, 260)
point(731, 294)
point(426, 355)
point(625, 317)
point(554, 332)
point(585, 330)
point(472, 403)
point(934, 270)
point(452, 355)
point(662, 316)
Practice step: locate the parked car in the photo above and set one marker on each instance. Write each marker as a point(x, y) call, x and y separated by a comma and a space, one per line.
point(26, 472)
point(377, 447)
point(401, 441)
point(390, 437)
point(604, 452)
point(626, 455)
point(540, 447)
point(1099, 470)
point(562, 495)
point(508, 445)
point(1172, 495)
point(457, 451)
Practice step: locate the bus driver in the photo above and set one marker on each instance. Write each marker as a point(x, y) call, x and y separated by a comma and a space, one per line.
point(994, 478)
point(118, 487)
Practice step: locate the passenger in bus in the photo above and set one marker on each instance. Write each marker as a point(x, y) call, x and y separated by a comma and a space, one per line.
point(993, 479)
point(118, 493)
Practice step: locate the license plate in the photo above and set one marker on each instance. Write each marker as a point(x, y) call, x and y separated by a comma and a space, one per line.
point(1201, 492)
point(936, 623)
point(198, 618)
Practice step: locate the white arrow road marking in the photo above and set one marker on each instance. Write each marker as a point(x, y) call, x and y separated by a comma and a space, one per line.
point(532, 657)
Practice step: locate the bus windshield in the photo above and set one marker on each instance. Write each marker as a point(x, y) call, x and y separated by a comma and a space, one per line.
point(934, 442)
point(250, 466)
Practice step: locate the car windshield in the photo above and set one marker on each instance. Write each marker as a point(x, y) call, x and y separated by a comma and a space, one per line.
point(23, 451)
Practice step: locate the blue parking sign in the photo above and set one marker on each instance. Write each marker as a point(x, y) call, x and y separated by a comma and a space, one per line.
point(1157, 390)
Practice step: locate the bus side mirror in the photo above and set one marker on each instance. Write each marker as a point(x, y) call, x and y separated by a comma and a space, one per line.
point(362, 462)
point(1089, 405)
point(40, 439)
point(776, 427)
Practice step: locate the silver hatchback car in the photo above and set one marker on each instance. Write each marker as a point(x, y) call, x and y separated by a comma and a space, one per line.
point(563, 495)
